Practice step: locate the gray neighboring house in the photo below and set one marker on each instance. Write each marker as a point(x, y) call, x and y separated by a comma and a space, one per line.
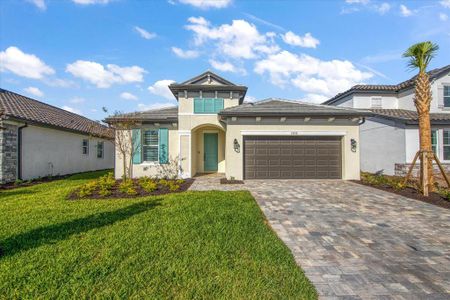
point(38, 140)
point(390, 138)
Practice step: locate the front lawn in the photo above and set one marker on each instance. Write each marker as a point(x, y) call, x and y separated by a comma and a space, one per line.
point(185, 245)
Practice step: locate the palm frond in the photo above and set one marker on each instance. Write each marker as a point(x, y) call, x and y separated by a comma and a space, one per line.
point(420, 55)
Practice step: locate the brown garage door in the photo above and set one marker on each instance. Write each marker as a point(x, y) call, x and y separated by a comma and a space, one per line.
point(288, 157)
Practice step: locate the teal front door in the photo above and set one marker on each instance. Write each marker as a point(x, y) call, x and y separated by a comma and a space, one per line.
point(210, 159)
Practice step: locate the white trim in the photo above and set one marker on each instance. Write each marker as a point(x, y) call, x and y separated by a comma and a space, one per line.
point(293, 132)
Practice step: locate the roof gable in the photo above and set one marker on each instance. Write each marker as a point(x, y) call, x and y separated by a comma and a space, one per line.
point(208, 78)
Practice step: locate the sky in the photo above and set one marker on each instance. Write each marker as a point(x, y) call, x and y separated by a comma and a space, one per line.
point(86, 55)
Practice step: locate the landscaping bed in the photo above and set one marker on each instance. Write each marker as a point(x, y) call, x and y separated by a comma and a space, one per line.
point(394, 184)
point(230, 181)
point(107, 187)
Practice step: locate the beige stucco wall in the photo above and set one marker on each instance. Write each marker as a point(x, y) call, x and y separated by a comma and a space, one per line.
point(149, 169)
point(198, 149)
point(350, 160)
point(47, 151)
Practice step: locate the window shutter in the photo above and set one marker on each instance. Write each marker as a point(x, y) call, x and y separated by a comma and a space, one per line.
point(163, 146)
point(440, 96)
point(218, 104)
point(198, 106)
point(209, 105)
point(136, 150)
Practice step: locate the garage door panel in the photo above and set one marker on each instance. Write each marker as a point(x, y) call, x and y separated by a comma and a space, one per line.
point(292, 157)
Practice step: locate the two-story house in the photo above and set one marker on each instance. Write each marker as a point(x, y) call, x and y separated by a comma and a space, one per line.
point(390, 138)
point(212, 130)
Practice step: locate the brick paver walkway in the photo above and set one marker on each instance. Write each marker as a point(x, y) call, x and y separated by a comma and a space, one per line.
point(356, 242)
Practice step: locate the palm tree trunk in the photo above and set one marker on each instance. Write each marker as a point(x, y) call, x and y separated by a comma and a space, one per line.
point(422, 101)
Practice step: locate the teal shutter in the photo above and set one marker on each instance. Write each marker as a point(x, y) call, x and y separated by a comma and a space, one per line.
point(198, 106)
point(218, 104)
point(136, 141)
point(163, 146)
point(209, 105)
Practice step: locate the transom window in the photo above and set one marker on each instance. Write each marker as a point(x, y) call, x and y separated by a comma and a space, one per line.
point(376, 102)
point(446, 144)
point(85, 147)
point(150, 145)
point(208, 105)
point(99, 149)
point(447, 96)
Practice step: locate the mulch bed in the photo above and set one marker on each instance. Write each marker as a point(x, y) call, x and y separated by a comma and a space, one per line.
point(116, 193)
point(434, 198)
point(13, 185)
point(226, 181)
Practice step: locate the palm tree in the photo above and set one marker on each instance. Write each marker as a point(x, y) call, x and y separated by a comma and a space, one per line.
point(420, 55)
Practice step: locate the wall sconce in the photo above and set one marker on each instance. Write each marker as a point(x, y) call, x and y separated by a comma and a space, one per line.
point(353, 145)
point(236, 146)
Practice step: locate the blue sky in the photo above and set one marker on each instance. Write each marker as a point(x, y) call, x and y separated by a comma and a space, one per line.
point(83, 55)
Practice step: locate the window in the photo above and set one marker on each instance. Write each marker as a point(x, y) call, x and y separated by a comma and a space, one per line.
point(376, 102)
point(434, 141)
point(150, 145)
point(85, 147)
point(447, 96)
point(99, 149)
point(208, 105)
point(446, 144)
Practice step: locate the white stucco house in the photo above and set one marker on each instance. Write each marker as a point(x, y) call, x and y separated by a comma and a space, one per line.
point(39, 140)
point(212, 130)
point(390, 138)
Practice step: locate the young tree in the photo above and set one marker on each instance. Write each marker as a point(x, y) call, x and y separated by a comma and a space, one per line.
point(420, 55)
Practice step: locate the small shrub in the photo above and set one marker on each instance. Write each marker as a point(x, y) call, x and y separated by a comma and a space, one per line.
point(87, 189)
point(170, 184)
point(444, 193)
point(18, 182)
point(180, 181)
point(147, 184)
point(127, 187)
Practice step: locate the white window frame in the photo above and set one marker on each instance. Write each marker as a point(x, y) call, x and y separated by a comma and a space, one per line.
point(151, 162)
point(444, 96)
point(372, 102)
point(103, 149)
point(444, 145)
point(85, 146)
point(436, 151)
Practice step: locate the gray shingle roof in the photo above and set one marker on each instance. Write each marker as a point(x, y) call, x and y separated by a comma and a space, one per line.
point(390, 88)
point(166, 114)
point(18, 107)
point(282, 107)
point(410, 116)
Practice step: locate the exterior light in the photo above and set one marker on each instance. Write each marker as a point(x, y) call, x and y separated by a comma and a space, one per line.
point(353, 145)
point(236, 146)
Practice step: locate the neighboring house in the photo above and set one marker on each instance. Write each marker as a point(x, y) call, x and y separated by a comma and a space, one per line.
point(390, 139)
point(212, 130)
point(38, 140)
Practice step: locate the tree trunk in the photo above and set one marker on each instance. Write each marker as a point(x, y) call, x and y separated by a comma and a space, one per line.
point(422, 101)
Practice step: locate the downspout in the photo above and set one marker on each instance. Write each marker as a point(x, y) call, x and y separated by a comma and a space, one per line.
point(19, 150)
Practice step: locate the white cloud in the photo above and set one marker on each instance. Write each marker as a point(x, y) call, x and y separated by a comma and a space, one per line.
point(405, 11)
point(144, 33)
point(58, 82)
point(142, 106)
point(77, 100)
point(128, 96)
point(226, 67)
point(71, 109)
point(161, 88)
point(39, 4)
point(383, 8)
point(88, 2)
point(445, 3)
point(443, 17)
point(34, 91)
point(206, 4)
point(357, 1)
point(23, 64)
point(307, 41)
point(239, 40)
point(103, 77)
point(185, 53)
point(249, 99)
point(314, 98)
point(310, 74)
point(357, 5)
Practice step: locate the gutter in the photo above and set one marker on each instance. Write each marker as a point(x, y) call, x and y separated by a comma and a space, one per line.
point(19, 150)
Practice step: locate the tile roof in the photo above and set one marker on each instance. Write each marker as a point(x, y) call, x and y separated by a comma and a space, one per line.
point(410, 116)
point(392, 88)
point(283, 107)
point(166, 114)
point(18, 107)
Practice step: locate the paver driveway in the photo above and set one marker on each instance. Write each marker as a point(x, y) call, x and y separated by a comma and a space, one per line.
point(356, 242)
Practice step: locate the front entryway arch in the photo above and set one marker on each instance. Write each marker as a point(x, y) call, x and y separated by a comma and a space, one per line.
point(208, 149)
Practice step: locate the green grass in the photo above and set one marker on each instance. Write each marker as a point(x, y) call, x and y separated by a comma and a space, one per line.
point(187, 245)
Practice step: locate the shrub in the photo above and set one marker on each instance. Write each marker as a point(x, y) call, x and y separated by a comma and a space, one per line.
point(170, 184)
point(444, 193)
point(87, 189)
point(127, 187)
point(18, 182)
point(147, 184)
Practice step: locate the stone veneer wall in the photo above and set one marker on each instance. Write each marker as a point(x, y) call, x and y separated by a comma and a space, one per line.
point(8, 152)
point(402, 169)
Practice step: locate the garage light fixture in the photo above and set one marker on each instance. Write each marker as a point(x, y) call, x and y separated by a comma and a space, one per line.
point(353, 145)
point(236, 146)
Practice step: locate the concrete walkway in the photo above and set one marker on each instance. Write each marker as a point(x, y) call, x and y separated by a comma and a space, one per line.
point(356, 242)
